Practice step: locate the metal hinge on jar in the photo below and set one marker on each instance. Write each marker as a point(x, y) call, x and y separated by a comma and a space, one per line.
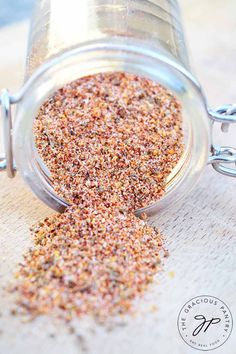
point(223, 157)
point(7, 161)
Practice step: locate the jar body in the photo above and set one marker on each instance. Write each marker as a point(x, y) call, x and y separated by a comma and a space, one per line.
point(71, 39)
point(58, 26)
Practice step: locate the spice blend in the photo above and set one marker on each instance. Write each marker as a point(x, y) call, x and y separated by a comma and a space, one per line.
point(110, 135)
point(88, 260)
point(109, 142)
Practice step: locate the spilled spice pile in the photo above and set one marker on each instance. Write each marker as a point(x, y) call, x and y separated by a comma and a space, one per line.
point(109, 141)
point(89, 260)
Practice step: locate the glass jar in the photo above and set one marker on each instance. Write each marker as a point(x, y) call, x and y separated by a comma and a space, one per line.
point(70, 39)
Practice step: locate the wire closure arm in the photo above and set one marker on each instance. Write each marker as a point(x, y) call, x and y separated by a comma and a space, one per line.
point(223, 156)
point(7, 162)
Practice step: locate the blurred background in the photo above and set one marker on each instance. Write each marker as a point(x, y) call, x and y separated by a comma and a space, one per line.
point(14, 10)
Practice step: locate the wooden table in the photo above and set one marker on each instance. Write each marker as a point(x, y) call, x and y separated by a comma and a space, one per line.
point(201, 232)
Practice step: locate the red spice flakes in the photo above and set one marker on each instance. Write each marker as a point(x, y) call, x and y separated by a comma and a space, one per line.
point(88, 260)
point(114, 136)
point(109, 141)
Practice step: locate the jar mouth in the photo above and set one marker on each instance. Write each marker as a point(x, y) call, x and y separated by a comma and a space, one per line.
point(113, 56)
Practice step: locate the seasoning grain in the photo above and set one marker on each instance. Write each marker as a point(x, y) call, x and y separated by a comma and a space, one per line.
point(110, 136)
point(109, 142)
point(89, 260)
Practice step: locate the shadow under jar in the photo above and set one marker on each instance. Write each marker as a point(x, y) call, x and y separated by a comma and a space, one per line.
point(72, 39)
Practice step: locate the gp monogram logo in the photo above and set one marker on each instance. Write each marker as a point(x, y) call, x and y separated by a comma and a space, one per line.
point(205, 323)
